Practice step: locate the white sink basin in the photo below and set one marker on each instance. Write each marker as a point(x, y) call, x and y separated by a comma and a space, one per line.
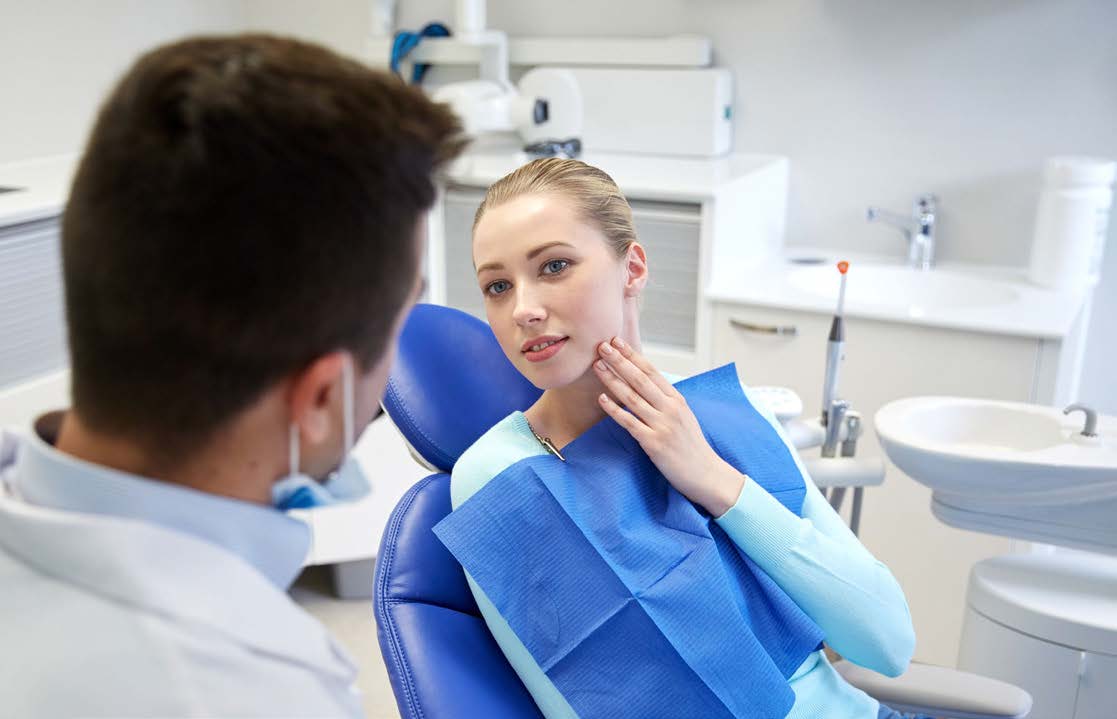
point(878, 285)
point(1007, 468)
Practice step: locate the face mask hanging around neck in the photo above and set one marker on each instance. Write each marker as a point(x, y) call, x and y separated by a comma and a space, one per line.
point(347, 483)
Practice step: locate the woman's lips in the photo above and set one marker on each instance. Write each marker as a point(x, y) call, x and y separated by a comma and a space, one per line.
point(547, 352)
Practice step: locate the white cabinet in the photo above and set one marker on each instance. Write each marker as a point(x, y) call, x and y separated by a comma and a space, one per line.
point(886, 361)
point(1097, 692)
point(1047, 622)
point(685, 211)
point(1065, 682)
point(1048, 671)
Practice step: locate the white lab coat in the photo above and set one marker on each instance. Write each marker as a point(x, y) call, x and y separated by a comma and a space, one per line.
point(102, 616)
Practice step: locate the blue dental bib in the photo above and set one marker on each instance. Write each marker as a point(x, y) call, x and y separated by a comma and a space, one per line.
point(631, 599)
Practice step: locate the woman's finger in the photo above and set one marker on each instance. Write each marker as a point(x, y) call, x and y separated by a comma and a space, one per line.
point(638, 372)
point(632, 425)
point(628, 396)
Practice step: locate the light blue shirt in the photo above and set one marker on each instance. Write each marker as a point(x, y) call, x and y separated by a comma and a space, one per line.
point(267, 539)
point(814, 558)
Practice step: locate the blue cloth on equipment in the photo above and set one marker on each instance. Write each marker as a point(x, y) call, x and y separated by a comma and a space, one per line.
point(632, 600)
point(405, 41)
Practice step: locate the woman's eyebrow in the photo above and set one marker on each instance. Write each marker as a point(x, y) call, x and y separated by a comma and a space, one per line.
point(530, 255)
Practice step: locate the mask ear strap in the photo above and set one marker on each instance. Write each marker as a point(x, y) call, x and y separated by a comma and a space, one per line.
point(347, 402)
point(293, 451)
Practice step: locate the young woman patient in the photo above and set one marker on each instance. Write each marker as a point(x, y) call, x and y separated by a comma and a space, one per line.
point(561, 272)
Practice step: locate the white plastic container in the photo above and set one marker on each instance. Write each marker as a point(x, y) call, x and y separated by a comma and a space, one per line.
point(1071, 222)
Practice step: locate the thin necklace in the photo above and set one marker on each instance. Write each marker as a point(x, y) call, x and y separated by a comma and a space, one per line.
point(545, 441)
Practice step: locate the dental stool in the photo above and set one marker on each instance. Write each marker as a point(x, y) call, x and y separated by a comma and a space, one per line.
point(451, 383)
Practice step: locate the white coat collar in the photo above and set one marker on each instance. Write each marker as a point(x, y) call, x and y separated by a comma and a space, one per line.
point(166, 573)
point(272, 542)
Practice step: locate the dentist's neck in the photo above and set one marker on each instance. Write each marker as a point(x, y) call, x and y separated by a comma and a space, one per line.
point(239, 462)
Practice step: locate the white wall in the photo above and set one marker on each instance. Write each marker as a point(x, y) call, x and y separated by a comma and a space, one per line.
point(339, 24)
point(58, 59)
point(875, 102)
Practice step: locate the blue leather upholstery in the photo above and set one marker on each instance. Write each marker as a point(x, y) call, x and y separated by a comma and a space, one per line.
point(442, 661)
point(477, 385)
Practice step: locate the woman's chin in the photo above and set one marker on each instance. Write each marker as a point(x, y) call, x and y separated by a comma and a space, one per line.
point(546, 376)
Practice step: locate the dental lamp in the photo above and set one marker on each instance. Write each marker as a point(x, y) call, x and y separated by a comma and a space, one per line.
point(546, 105)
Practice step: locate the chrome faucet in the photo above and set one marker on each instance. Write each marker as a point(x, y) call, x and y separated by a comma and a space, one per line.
point(918, 229)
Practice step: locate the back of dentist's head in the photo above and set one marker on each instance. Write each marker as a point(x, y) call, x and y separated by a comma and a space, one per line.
point(590, 191)
point(244, 205)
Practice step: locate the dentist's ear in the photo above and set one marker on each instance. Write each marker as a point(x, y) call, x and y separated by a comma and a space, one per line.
point(636, 270)
point(314, 391)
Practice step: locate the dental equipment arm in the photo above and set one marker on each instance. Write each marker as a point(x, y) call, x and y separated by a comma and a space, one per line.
point(835, 346)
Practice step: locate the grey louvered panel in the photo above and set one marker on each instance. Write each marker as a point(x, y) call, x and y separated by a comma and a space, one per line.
point(32, 320)
point(462, 291)
point(669, 232)
point(671, 238)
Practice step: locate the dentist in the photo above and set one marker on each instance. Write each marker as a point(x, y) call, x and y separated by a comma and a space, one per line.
point(240, 246)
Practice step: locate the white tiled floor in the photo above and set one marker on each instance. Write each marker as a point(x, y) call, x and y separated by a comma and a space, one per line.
point(352, 623)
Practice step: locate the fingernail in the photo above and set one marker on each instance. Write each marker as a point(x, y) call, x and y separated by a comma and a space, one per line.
point(618, 342)
point(600, 365)
point(606, 349)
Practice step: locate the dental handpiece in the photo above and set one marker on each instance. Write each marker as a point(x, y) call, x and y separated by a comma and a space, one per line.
point(853, 433)
point(835, 348)
point(834, 422)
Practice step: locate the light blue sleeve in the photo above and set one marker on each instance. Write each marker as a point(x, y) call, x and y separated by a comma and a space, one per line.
point(826, 570)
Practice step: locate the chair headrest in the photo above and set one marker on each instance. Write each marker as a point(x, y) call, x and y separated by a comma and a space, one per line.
point(450, 383)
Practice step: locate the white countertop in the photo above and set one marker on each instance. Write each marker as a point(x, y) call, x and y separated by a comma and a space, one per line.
point(1033, 311)
point(45, 182)
point(1027, 311)
point(644, 177)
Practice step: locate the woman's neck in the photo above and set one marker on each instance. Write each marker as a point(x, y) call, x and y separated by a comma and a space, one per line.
point(562, 414)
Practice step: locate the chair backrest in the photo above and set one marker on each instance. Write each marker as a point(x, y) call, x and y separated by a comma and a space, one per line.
point(450, 383)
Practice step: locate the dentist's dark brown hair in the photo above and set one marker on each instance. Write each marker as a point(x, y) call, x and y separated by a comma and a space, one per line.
point(244, 205)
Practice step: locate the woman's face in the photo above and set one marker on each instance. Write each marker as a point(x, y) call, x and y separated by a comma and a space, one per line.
point(549, 278)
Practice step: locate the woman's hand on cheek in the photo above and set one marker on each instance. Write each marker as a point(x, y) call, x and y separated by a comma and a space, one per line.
point(659, 418)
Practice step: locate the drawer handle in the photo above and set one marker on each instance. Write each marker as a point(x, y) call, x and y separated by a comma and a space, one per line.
point(781, 330)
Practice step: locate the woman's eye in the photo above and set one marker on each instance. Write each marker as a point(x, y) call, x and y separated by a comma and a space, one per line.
point(496, 288)
point(555, 266)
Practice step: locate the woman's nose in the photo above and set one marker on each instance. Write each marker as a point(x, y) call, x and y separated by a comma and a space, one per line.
point(528, 309)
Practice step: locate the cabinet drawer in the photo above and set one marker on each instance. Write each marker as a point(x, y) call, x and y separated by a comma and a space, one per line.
point(884, 361)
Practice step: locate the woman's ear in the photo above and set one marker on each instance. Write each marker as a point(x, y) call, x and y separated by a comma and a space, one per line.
point(636, 270)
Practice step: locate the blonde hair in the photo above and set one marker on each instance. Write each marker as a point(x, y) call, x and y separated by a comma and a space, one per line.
point(594, 195)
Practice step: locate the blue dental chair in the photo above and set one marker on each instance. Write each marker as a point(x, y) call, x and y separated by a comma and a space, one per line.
point(442, 661)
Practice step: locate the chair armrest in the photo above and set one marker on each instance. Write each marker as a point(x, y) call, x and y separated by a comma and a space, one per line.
point(829, 472)
point(940, 691)
point(804, 434)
